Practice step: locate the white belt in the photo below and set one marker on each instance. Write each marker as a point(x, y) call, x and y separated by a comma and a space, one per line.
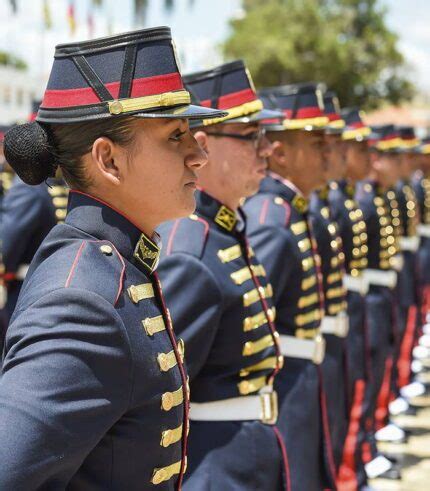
point(397, 262)
point(22, 272)
point(262, 407)
point(307, 349)
point(423, 230)
point(381, 278)
point(409, 243)
point(337, 325)
point(357, 284)
point(3, 296)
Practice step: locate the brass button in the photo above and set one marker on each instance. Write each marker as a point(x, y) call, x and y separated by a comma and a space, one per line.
point(159, 476)
point(167, 401)
point(115, 107)
point(106, 250)
point(244, 387)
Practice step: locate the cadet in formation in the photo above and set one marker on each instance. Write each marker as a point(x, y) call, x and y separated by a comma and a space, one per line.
point(221, 300)
point(86, 399)
point(281, 235)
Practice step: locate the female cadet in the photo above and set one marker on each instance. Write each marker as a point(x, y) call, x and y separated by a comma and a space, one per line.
point(93, 392)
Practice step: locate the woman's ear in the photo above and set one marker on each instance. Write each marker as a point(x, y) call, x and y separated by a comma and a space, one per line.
point(105, 156)
point(278, 156)
point(202, 140)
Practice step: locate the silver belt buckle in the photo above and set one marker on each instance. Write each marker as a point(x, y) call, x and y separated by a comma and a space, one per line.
point(319, 350)
point(269, 406)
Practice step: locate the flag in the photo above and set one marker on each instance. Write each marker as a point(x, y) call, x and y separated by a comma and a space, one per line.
point(47, 19)
point(71, 17)
point(14, 6)
point(90, 24)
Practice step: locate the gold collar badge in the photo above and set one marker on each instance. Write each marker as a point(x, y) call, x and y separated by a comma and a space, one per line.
point(300, 204)
point(147, 253)
point(226, 218)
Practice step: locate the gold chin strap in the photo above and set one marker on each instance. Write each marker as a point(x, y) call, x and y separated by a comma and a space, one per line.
point(298, 124)
point(167, 99)
point(237, 112)
point(353, 134)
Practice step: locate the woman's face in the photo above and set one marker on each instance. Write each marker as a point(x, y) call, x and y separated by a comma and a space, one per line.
point(159, 176)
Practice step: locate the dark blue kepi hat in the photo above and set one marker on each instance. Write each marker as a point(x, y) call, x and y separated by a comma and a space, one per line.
point(228, 87)
point(355, 129)
point(301, 104)
point(385, 138)
point(409, 141)
point(332, 111)
point(134, 73)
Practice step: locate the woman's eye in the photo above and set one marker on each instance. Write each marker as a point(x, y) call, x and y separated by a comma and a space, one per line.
point(177, 136)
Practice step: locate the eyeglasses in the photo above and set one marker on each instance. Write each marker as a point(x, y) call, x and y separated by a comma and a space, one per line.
point(255, 136)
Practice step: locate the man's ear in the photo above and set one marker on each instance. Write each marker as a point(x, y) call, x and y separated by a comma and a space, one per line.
point(279, 156)
point(202, 140)
point(106, 156)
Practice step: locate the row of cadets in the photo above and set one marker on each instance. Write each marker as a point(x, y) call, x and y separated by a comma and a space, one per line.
point(28, 214)
point(353, 165)
point(221, 300)
point(380, 300)
point(281, 234)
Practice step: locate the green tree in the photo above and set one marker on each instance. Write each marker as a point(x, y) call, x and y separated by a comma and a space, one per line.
point(344, 43)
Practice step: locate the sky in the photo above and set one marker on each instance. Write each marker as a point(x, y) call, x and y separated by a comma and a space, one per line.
point(197, 30)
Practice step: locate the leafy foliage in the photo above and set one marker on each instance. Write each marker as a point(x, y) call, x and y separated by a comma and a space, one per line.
point(345, 43)
point(7, 59)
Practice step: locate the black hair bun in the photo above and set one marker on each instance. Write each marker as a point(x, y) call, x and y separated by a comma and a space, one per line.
point(28, 150)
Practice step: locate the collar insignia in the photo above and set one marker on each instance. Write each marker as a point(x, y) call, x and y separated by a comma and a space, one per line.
point(147, 253)
point(300, 203)
point(226, 218)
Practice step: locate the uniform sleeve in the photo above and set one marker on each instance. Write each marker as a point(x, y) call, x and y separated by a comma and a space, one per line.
point(22, 212)
point(274, 249)
point(195, 303)
point(66, 379)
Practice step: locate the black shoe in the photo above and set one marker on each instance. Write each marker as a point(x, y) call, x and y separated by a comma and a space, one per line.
point(393, 474)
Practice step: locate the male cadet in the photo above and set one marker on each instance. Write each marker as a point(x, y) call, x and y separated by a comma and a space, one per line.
point(421, 184)
point(349, 219)
point(281, 236)
point(382, 279)
point(221, 301)
point(334, 325)
point(407, 287)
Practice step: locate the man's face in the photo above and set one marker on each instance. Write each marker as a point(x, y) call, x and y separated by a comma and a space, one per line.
point(386, 165)
point(357, 160)
point(238, 160)
point(335, 150)
point(159, 170)
point(311, 157)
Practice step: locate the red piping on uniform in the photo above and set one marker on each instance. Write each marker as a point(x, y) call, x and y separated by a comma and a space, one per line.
point(105, 204)
point(263, 212)
point(75, 262)
point(171, 236)
point(404, 361)
point(381, 411)
point(85, 95)
point(181, 367)
point(347, 478)
point(232, 100)
point(284, 458)
point(326, 426)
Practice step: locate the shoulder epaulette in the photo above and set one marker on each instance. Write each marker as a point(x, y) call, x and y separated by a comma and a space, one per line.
point(271, 210)
point(188, 235)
